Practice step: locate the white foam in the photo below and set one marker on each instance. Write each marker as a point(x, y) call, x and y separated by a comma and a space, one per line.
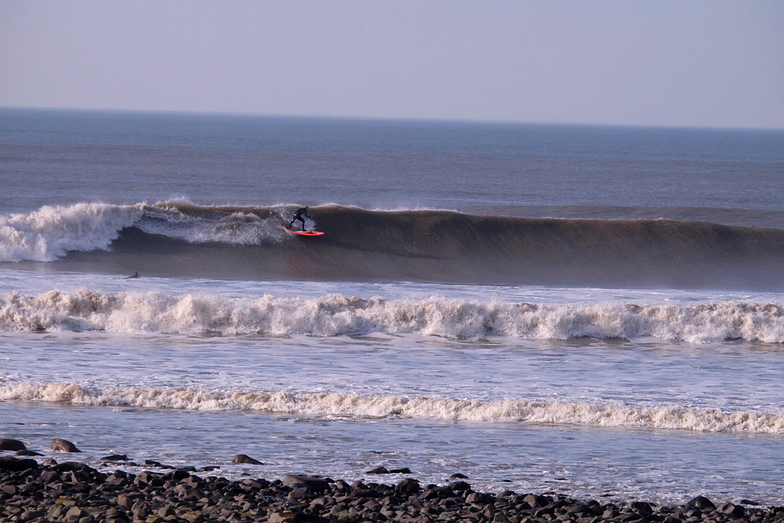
point(48, 233)
point(239, 228)
point(335, 315)
point(339, 405)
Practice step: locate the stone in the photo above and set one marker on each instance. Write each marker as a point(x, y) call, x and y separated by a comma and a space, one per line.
point(17, 465)
point(243, 459)
point(478, 498)
point(733, 510)
point(642, 508)
point(61, 445)
point(115, 457)
point(408, 486)
point(312, 483)
point(27, 453)
point(701, 503)
point(11, 444)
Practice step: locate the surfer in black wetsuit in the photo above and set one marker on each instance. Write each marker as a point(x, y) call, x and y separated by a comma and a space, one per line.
point(298, 216)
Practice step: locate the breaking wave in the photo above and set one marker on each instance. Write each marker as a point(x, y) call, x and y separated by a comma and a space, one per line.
point(341, 405)
point(51, 232)
point(179, 239)
point(338, 315)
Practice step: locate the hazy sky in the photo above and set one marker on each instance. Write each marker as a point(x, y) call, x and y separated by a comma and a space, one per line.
point(647, 62)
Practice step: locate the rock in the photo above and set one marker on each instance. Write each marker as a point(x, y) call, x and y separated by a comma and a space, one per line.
point(292, 516)
point(312, 483)
point(27, 453)
point(535, 501)
point(242, 459)
point(17, 465)
point(478, 498)
point(408, 486)
point(378, 470)
point(733, 510)
point(701, 503)
point(458, 476)
point(61, 445)
point(115, 457)
point(642, 508)
point(459, 485)
point(12, 444)
point(153, 463)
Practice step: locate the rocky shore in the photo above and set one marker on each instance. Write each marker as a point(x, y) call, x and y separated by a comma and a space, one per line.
point(73, 492)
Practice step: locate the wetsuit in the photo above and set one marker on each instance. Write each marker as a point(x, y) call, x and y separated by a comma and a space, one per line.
point(298, 216)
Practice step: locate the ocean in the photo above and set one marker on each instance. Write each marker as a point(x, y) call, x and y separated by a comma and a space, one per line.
point(594, 311)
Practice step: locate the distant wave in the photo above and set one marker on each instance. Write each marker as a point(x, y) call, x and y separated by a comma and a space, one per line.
point(339, 405)
point(337, 315)
point(182, 239)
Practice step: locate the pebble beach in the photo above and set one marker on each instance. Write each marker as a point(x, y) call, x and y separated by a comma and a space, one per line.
point(73, 492)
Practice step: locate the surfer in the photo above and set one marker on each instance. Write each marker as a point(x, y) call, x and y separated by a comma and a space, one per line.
point(298, 216)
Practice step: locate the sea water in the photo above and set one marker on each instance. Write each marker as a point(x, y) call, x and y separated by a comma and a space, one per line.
point(226, 345)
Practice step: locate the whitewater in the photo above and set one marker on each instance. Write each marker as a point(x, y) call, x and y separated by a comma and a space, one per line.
point(593, 311)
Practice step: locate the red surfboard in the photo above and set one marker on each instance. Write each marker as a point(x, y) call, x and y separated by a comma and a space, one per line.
point(303, 233)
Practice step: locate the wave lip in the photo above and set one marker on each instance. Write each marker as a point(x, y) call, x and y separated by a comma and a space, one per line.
point(338, 315)
point(50, 232)
point(340, 405)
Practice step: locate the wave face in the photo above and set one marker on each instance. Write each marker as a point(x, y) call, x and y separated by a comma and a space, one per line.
point(342, 405)
point(336, 315)
point(180, 239)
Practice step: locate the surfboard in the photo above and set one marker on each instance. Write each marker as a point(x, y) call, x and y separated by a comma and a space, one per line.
point(304, 233)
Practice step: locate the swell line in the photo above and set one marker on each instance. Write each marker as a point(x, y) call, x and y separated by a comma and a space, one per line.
point(340, 405)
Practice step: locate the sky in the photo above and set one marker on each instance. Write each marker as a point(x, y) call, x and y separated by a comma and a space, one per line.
point(696, 63)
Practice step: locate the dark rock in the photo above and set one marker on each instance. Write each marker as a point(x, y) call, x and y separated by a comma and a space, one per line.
point(153, 463)
point(701, 503)
point(314, 484)
point(61, 445)
point(458, 476)
point(27, 453)
point(459, 486)
point(242, 459)
point(733, 510)
point(115, 457)
point(535, 501)
point(478, 498)
point(50, 476)
point(642, 508)
point(378, 470)
point(17, 465)
point(404, 470)
point(11, 444)
point(408, 486)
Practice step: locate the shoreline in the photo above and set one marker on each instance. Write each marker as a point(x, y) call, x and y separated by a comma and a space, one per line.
point(74, 492)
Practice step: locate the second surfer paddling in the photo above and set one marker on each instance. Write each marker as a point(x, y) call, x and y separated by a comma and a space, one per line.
point(298, 216)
